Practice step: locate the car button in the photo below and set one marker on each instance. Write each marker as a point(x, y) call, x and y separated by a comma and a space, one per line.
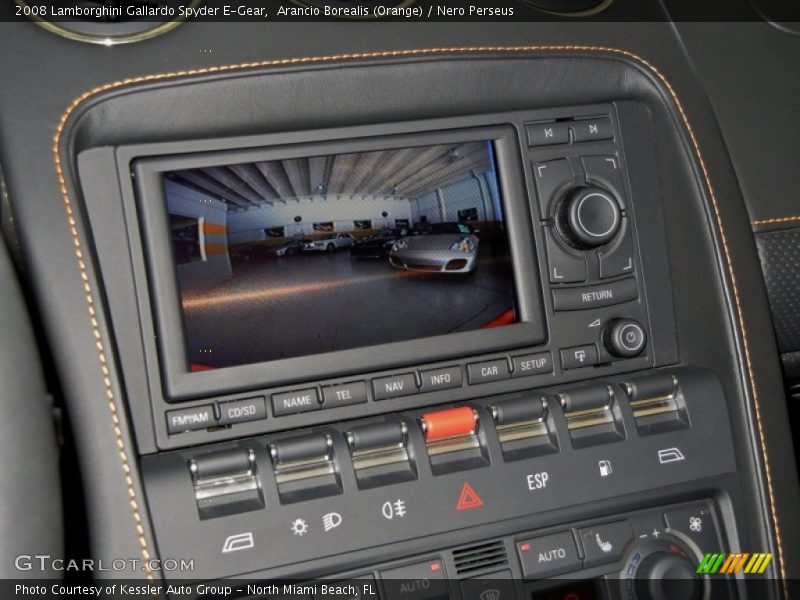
point(241, 411)
point(617, 259)
point(494, 586)
point(606, 294)
point(190, 419)
point(586, 130)
point(298, 401)
point(565, 267)
point(696, 523)
point(441, 379)
point(490, 370)
point(552, 177)
point(345, 394)
point(579, 356)
point(424, 580)
point(604, 543)
point(394, 386)
point(532, 364)
point(605, 171)
point(546, 134)
point(548, 555)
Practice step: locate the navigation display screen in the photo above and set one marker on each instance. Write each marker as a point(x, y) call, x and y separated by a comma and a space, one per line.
point(289, 258)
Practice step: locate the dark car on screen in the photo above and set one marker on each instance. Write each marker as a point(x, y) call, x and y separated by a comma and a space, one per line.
point(378, 245)
point(256, 251)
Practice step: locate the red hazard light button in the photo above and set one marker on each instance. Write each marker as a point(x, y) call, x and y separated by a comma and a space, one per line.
point(468, 499)
point(453, 422)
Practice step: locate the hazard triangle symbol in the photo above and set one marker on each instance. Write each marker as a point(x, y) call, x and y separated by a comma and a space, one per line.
point(469, 498)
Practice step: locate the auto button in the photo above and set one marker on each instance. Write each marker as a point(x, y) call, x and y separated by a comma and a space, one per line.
point(548, 555)
point(424, 580)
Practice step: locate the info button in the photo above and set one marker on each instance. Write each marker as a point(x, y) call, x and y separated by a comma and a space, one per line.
point(441, 379)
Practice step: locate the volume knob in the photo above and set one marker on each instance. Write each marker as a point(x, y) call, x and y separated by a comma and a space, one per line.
point(590, 217)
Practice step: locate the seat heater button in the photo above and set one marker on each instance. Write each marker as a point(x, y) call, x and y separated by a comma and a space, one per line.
point(191, 419)
point(424, 580)
point(604, 543)
point(488, 371)
point(394, 386)
point(548, 555)
point(596, 296)
point(345, 394)
point(442, 379)
point(299, 401)
point(241, 411)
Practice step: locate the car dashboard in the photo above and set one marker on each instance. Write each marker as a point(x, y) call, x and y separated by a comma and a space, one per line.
point(404, 310)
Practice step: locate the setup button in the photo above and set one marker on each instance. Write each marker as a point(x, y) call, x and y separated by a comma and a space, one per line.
point(298, 401)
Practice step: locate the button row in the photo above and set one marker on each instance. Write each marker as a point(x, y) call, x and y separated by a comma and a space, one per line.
point(203, 417)
point(583, 130)
point(556, 554)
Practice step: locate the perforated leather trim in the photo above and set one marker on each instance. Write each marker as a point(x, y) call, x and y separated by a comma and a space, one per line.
point(434, 52)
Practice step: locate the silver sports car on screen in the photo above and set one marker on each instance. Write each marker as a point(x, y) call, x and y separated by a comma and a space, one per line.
point(443, 248)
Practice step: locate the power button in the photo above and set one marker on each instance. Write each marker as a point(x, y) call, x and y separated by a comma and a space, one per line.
point(625, 338)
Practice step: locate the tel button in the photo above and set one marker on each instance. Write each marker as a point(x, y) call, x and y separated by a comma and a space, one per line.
point(424, 580)
point(548, 555)
point(345, 394)
point(488, 371)
point(241, 411)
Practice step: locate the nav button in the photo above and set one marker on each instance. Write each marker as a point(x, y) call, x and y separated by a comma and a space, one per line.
point(394, 386)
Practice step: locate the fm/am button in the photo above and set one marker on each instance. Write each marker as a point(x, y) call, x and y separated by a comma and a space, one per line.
point(191, 419)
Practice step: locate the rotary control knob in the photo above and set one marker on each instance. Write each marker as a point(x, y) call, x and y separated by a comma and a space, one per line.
point(664, 575)
point(589, 217)
point(662, 570)
point(624, 338)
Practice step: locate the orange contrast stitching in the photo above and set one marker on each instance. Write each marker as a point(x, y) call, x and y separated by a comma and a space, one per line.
point(362, 56)
point(775, 220)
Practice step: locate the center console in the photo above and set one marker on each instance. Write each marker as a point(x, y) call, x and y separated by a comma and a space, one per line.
point(436, 354)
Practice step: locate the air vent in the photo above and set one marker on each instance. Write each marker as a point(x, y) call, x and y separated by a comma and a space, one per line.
point(481, 556)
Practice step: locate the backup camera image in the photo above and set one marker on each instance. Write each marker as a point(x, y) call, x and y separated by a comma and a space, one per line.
point(288, 258)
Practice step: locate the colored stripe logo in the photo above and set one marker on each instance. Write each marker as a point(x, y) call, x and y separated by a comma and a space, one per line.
point(729, 564)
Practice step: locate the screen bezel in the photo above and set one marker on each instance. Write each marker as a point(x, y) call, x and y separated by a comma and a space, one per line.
point(179, 383)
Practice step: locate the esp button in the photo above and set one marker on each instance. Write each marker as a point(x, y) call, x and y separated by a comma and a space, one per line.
point(424, 580)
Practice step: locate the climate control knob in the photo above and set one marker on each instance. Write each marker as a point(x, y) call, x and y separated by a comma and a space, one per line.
point(624, 338)
point(665, 575)
point(589, 217)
